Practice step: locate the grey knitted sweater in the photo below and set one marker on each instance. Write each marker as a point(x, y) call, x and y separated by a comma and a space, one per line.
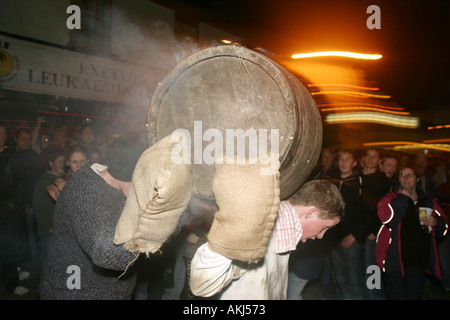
point(85, 219)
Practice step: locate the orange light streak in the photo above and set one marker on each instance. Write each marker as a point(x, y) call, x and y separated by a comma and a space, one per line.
point(388, 143)
point(352, 94)
point(446, 126)
point(405, 113)
point(344, 86)
point(437, 140)
point(359, 104)
point(399, 145)
point(344, 54)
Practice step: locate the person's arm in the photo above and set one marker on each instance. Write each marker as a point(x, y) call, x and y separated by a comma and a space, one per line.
point(211, 272)
point(94, 229)
point(35, 135)
point(392, 208)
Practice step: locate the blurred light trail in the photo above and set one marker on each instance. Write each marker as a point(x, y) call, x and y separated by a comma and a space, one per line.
point(445, 126)
point(401, 145)
point(375, 105)
point(373, 117)
point(343, 86)
point(352, 93)
point(381, 103)
point(344, 54)
point(436, 140)
point(388, 143)
point(438, 147)
point(404, 113)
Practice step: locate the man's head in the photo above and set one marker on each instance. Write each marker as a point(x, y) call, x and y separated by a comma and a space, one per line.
point(23, 139)
point(320, 206)
point(326, 158)
point(61, 135)
point(388, 165)
point(86, 136)
point(420, 162)
point(346, 162)
point(371, 160)
point(56, 160)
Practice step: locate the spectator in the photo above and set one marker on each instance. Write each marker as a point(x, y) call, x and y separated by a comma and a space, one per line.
point(25, 167)
point(406, 246)
point(374, 187)
point(440, 175)
point(8, 226)
point(389, 165)
point(426, 182)
point(43, 204)
point(76, 158)
point(327, 164)
point(443, 197)
point(86, 137)
point(347, 253)
point(61, 138)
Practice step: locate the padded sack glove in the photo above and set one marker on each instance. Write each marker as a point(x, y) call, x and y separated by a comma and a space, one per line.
point(159, 193)
point(248, 202)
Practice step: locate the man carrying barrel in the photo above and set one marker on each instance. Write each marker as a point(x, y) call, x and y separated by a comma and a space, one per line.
point(247, 253)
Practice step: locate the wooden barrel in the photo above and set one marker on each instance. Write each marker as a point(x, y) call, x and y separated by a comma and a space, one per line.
point(231, 88)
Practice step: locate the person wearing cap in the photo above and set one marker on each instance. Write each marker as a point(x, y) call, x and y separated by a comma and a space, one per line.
point(83, 261)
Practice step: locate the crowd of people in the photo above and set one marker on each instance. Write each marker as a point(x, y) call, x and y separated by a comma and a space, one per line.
point(384, 193)
point(382, 226)
point(36, 163)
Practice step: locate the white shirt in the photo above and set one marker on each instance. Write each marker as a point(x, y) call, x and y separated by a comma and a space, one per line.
point(212, 273)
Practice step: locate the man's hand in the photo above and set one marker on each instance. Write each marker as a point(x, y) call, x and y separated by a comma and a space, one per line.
point(408, 191)
point(348, 241)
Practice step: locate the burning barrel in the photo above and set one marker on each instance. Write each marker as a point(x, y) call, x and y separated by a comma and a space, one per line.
point(220, 93)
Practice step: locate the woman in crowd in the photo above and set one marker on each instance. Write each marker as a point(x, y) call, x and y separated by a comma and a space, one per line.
point(43, 204)
point(406, 246)
point(77, 157)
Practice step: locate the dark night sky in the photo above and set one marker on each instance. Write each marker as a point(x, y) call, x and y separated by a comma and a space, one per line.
point(414, 37)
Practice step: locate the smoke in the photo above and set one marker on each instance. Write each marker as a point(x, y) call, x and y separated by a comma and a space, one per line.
point(149, 42)
point(153, 44)
point(152, 50)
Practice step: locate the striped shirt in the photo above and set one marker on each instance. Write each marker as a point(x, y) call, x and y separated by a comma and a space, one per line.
point(288, 228)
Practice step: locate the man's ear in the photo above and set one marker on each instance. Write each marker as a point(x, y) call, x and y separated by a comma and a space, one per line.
point(312, 212)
